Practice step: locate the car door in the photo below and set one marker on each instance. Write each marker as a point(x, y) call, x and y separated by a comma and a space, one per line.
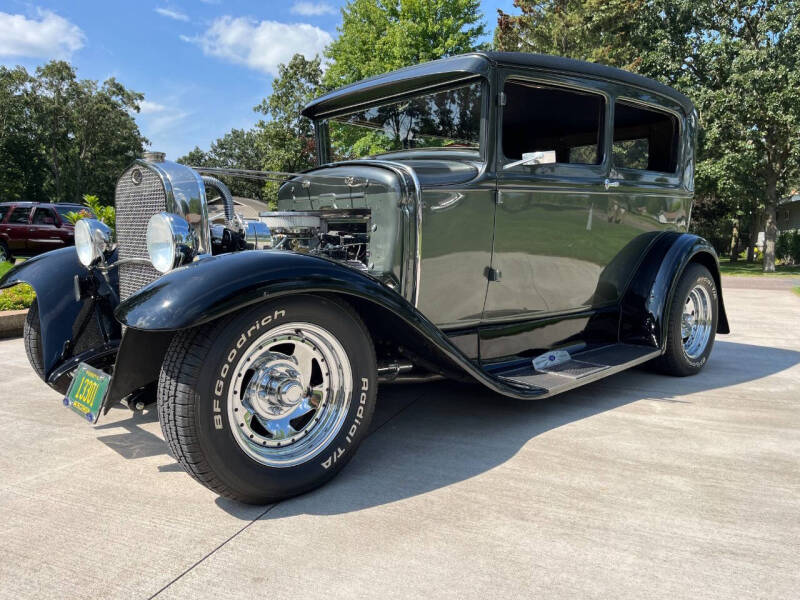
point(16, 228)
point(43, 234)
point(551, 244)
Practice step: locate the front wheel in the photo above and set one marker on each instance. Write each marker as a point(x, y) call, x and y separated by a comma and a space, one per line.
point(32, 338)
point(271, 402)
point(692, 323)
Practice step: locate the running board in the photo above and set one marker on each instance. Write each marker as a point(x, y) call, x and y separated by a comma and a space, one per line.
point(581, 368)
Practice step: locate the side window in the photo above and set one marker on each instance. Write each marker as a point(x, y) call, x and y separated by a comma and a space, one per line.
point(644, 138)
point(20, 215)
point(44, 216)
point(539, 117)
point(3, 213)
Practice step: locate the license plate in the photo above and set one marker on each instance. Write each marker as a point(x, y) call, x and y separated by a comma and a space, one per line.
point(87, 391)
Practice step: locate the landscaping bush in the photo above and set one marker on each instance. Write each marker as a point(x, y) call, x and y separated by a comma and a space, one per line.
point(18, 297)
point(783, 246)
point(794, 247)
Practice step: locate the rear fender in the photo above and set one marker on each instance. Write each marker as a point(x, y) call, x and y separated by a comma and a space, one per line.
point(645, 305)
point(68, 325)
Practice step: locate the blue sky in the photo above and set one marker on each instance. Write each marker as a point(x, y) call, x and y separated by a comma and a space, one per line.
point(201, 64)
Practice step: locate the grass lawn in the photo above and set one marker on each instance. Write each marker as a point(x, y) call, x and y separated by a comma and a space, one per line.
point(754, 269)
point(796, 290)
point(5, 267)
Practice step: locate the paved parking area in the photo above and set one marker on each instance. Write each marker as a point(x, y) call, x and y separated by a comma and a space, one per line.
point(640, 486)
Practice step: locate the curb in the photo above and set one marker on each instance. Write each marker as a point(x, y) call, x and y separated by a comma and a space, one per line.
point(12, 323)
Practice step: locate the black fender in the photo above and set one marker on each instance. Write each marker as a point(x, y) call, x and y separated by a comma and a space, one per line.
point(645, 305)
point(211, 288)
point(70, 327)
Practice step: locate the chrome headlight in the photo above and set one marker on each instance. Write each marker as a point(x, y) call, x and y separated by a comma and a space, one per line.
point(93, 241)
point(170, 241)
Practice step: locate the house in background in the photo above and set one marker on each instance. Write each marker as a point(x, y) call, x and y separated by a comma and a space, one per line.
point(247, 207)
point(789, 213)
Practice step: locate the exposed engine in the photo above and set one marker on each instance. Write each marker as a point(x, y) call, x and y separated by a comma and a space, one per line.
point(337, 234)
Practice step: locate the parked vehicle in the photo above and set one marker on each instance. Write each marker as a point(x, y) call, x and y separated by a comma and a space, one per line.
point(31, 228)
point(523, 226)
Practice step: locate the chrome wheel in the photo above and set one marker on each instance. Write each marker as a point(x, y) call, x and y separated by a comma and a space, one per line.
point(696, 321)
point(290, 394)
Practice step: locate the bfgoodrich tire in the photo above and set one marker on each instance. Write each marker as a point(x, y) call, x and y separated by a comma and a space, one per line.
point(272, 401)
point(692, 323)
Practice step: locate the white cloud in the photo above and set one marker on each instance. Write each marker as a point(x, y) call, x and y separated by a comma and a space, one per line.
point(172, 14)
point(146, 107)
point(313, 9)
point(45, 36)
point(260, 45)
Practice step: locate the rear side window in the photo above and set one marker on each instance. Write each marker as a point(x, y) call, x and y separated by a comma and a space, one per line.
point(644, 138)
point(20, 215)
point(44, 216)
point(3, 212)
point(539, 117)
point(65, 210)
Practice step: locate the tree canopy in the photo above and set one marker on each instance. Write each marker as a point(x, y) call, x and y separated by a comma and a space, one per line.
point(61, 137)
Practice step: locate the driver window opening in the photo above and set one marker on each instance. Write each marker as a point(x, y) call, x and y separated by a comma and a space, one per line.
point(541, 118)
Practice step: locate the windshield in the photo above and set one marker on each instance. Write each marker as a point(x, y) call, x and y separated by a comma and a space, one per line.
point(445, 119)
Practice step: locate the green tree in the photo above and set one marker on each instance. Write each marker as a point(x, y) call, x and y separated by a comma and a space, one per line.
point(285, 140)
point(377, 36)
point(62, 137)
point(237, 149)
point(605, 31)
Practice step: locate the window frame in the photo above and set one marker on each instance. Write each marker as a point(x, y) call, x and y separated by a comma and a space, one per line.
point(321, 124)
point(646, 175)
point(572, 170)
point(39, 209)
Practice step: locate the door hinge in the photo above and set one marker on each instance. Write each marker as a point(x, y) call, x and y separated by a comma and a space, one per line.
point(493, 274)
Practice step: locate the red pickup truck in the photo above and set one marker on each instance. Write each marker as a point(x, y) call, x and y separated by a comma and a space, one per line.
point(30, 228)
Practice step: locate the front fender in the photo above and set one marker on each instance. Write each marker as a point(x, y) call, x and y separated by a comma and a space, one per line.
point(213, 287)
point(216, 286)
point(52, 276)
point(645, 306)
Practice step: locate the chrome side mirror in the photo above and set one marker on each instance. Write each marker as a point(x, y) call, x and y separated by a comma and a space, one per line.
point(541, 157)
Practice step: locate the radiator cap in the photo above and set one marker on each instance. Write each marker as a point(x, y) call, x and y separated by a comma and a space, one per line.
point(155, 157)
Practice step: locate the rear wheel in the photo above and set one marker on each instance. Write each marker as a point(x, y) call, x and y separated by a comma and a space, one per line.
point(271, 402)
point(692, 323)
point(5, 253)
point(32, 337)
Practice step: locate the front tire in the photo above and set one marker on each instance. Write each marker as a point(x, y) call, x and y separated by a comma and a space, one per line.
point(692, 323)
point(5, 253)
point(272, 401)
point(32, 337)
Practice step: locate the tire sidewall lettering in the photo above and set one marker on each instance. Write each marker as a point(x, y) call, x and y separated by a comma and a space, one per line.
point(222, 379)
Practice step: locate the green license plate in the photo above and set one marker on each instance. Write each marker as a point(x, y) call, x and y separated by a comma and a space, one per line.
point(87, 391)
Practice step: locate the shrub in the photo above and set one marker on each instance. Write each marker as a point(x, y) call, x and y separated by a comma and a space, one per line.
point(17, 298)
point(106, 214)
point(783, 246)
point(794, 247)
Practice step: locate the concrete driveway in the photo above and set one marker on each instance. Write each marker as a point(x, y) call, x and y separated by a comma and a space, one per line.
point(640, 486)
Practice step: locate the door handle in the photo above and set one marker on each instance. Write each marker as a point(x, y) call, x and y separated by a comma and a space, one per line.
point(611, 184)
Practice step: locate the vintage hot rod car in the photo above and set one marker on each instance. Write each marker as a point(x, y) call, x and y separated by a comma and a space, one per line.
point(520, 221)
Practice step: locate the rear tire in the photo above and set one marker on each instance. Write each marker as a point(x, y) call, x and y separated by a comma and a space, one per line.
point(270, 402)
point(5, 254)
point(692, 323)
point(32, 336)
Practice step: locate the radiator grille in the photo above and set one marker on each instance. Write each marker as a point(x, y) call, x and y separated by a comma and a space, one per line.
point(135, 205)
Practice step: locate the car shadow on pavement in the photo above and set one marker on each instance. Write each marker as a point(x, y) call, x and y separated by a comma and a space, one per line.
point(428, 436)
point(453, 432)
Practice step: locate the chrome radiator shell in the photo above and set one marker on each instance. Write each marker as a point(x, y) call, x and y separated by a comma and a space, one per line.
point(147, 188)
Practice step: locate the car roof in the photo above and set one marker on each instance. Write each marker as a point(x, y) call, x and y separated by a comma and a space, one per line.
point(29, 204)
point(465, 66)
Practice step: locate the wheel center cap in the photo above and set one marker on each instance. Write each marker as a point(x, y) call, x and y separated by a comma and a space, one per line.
point(274, 390)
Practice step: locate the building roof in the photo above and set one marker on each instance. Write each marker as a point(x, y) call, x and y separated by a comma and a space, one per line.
point(463, 66)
